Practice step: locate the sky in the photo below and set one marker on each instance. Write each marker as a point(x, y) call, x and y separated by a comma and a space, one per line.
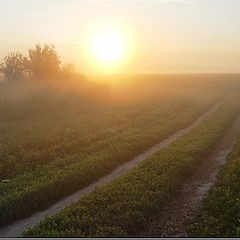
point(165, 36)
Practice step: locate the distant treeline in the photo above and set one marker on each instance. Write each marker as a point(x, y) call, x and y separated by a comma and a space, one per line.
point(41, 62)
point(41, 70)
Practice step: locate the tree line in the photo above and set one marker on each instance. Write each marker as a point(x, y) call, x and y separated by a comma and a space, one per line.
point(42, 61)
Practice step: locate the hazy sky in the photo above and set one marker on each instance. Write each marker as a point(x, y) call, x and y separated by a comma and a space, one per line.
point(168, 35)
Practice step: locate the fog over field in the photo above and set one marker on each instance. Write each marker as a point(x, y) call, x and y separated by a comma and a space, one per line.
point(119, 118)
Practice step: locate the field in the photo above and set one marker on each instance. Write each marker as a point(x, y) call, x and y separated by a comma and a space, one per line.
point(119, 118)
point(123, 207)
point(54, 142)
point(219, 216)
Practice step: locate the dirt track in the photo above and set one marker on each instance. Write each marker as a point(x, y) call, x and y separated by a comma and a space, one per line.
point(184, 206)
point(16, 229)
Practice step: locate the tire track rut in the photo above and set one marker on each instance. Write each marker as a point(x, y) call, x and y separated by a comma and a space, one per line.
point(182, 208)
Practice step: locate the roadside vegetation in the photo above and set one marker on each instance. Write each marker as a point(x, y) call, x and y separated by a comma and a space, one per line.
point(220, 214)
point(55, 145)
point(124, 206)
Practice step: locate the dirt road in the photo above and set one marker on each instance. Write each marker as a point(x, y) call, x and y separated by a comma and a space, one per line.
point(16, 229)
point(184, 206)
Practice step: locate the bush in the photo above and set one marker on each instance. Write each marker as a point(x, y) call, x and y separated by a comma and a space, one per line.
point(14, 66)
point(44, 61)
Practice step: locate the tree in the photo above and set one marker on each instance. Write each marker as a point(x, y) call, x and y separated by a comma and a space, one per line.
point(14, 66)
point(44, 61)
point(68, 68)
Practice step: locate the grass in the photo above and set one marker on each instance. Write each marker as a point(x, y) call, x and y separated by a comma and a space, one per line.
point(220, 214)
point(54, 144)
point(124, 206)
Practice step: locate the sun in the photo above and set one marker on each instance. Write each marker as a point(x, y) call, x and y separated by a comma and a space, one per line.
point(109, 46)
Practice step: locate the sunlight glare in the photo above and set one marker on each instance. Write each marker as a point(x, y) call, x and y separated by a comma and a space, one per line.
point(109, 47)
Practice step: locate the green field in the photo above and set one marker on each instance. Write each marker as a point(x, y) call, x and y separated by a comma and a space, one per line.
point(54, 142)
point(119, 118)
point(124, 206)
point(220, 214)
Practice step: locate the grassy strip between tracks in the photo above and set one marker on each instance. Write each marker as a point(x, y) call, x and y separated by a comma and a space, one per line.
point(125, 205)
point(220, 214)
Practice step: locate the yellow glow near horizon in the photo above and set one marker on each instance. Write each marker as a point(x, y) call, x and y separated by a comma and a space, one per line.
point(110, 48)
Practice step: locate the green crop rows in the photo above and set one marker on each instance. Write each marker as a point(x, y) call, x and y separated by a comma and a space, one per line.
point(54, 145)
point(125, 205)
point(220, 214)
